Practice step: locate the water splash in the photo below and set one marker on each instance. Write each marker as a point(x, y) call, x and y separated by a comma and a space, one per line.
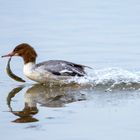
point(110, 78)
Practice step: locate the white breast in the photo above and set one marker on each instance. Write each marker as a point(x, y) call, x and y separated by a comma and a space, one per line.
point(28, 68)
point(29, 71)
point(39, 74)
point(36, 74)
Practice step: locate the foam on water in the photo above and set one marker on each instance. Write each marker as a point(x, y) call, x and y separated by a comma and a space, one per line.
point(110, 78)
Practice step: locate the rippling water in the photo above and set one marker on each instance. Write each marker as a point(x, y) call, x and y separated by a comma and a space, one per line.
point(101, 34)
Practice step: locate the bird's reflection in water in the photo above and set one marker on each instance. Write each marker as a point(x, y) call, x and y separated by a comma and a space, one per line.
point(45, 96)
point(26, 115)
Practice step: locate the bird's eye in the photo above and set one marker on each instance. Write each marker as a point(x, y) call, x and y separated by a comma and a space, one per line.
point(16, 49)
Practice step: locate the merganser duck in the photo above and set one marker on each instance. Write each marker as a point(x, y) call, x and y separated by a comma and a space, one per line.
point(48, 71)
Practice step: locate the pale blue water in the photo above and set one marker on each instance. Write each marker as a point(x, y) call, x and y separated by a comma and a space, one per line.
point(101, 34)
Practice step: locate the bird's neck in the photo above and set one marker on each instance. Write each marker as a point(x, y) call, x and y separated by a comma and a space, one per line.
point(28, 68)
point(29, 59)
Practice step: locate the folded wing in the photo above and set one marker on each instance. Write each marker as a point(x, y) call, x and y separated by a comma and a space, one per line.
point(62, 68)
